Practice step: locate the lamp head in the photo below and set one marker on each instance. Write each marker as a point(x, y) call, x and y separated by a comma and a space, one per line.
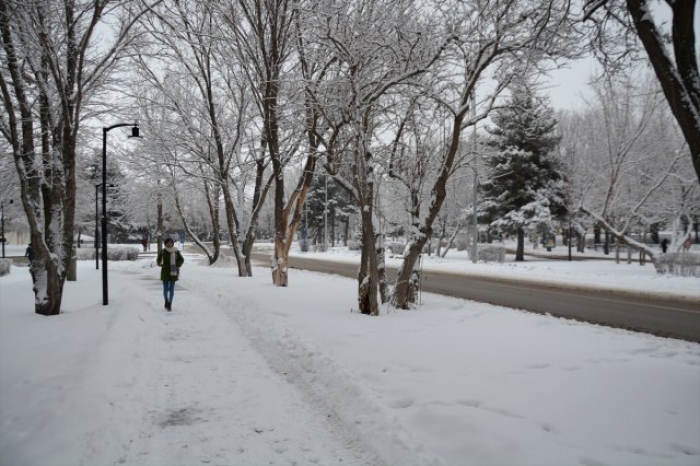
point(135, 132)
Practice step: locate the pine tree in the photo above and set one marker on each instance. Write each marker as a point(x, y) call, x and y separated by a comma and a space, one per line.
point(340, 208)
point(525, 190)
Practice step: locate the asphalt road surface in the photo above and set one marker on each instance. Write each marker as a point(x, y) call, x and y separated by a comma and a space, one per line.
point(667, 317)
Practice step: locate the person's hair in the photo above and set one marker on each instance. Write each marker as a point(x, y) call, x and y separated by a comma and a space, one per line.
point(169, 240)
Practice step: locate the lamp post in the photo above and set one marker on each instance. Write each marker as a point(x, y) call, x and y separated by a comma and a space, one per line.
point(97, 248)
point(2, 226)
point(476, 222)
point(325, 219)
point(105, 130)
point(569, 236)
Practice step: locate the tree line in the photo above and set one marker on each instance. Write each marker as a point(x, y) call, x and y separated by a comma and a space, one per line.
point(243, 102)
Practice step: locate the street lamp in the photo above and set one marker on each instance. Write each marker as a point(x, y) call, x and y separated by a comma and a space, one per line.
point(476, 222)
point(105, 130)
point(2, 226)
point(569, 236)
point(325, 220)
point(97, 244)
point(97, 248)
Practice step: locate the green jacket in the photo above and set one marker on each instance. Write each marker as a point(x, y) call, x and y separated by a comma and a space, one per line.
point(164, 262)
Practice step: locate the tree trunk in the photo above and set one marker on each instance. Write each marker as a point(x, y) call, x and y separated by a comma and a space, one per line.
point(159, 222)
point(520, 249)
point(381, 270)
point(404, 290)
point(280, 263)
point(48, 282)
point(346, 231)
point(232, 224)
point(369, 279)
point(606, 245)
point(581, 242)
point(679, 81)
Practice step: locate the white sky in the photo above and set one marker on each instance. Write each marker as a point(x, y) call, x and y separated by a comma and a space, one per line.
point(569, 87)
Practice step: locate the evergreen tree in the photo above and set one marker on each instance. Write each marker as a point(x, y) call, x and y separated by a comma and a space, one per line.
point(525, 191)
point(340, 208)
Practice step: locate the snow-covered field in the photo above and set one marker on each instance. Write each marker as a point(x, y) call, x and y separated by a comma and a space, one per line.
point(243, 373)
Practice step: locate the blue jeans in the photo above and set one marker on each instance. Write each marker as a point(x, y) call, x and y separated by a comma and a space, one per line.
point(168, 290)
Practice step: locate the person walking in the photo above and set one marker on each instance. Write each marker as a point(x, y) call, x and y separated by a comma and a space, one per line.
point(664, 245)
point(29, 254)
point(169, 260)
point(686, 244)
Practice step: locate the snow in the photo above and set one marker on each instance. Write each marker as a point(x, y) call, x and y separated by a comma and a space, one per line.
point(242, 372)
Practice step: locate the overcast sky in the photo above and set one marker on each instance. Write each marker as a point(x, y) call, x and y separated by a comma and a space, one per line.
point(569, 86)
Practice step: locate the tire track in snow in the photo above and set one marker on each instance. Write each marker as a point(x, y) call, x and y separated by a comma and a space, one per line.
point(356, 417)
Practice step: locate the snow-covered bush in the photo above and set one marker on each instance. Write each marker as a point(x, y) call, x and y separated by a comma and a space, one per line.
point(683, 264)
point(5, 266)
point(114, 253)
point(491, 253)
point(462, 242)
point(394, 248)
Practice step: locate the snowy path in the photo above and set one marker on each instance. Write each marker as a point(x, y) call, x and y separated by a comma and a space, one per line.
point(158, 388)
point(210, 398)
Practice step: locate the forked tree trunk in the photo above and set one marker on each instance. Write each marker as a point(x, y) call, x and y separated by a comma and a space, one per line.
point(405, 292)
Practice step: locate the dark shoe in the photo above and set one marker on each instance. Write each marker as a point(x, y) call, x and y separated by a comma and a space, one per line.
point(169, 306)
point(166, 303)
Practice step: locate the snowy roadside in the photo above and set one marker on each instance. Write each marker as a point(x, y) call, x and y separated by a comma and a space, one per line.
point(591, 274)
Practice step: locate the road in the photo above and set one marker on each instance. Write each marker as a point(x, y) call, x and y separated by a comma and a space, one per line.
point(667, 317)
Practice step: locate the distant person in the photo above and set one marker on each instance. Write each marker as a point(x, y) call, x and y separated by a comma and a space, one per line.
point(686, 244)
point(664, 245)
point(170, 260)
point(144, 243)
point(29, 253)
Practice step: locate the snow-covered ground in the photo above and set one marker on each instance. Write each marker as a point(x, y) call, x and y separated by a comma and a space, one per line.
point(243, 373)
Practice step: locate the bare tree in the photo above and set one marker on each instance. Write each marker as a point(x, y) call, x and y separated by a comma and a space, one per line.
point(672, 54)
point(184, 35)
point(502, 38)
point(374, 48)
point(261, 36)
point(627, 159)
point(52, 70)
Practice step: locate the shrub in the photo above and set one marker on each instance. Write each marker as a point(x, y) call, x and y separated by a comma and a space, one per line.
point(491, 253)
point(394, 248)
point(5, 266)
point(114, 253)
point(682, 264)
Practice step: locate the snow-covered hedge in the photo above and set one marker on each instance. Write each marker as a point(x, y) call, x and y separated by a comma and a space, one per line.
point(491, 253)
point(5, 266)
point(683, 264)
point(462, 243)
point(114, 253)
point(394, 248)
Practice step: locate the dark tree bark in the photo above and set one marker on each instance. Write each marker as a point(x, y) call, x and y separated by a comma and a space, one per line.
point(520, 249)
